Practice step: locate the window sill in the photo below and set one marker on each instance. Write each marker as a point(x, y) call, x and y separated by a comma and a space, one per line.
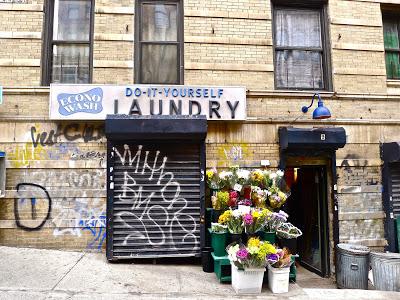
point(395, 83)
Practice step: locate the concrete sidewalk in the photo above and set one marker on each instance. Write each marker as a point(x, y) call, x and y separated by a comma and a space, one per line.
point(50, 274)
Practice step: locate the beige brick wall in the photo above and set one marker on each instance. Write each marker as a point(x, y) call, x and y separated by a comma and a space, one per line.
point(227, 43)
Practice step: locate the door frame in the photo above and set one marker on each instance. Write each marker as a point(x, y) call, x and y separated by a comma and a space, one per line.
point(324, 164)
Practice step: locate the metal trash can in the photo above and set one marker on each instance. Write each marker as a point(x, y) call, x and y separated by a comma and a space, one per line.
point(386, 271)
point(352, 266)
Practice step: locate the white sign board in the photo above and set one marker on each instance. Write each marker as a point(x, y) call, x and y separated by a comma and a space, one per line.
point(94, 102)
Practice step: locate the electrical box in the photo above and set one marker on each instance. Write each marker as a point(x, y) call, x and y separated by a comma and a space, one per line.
point(2, 174)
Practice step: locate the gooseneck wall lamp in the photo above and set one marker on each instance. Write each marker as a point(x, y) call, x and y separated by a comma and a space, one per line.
point(321, 112)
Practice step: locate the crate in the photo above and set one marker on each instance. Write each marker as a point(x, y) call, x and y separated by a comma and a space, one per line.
point(222, 268)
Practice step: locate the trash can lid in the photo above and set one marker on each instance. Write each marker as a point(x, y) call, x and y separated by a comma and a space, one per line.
point(353, 249)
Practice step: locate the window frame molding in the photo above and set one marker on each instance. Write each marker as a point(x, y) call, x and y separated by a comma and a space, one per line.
point(325, 40)
point(48, 42)
point(391, 15)
point(138, 43)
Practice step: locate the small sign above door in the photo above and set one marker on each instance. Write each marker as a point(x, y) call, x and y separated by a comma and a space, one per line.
point(95, 102)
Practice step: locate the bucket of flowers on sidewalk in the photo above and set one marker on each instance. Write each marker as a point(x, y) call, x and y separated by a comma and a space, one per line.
point(246, 206)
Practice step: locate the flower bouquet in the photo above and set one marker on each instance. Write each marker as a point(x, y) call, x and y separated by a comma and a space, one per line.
point(248, 264)
point(255, 220)
point(276, 197)
point(214, 182)
point(288, 231)
point(274, 220)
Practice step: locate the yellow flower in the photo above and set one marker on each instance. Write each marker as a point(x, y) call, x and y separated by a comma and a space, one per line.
point(210, 174)
point(253, 242)
point(256, 214)
point(225, 217)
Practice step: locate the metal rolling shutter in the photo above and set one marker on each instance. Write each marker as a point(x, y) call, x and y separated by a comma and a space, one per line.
point(395, 187)
point(156, 202)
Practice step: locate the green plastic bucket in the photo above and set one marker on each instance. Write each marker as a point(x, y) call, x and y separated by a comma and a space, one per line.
point(268, 236)
point(218, 243)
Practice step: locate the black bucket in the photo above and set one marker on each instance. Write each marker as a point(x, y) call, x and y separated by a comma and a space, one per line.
point(207, 260)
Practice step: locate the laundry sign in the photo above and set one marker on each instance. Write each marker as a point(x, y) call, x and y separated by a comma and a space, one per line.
point(95, 102)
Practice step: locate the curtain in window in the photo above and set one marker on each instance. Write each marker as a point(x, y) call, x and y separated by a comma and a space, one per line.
point(71, 24)
point(159, 47)
point(299, 65)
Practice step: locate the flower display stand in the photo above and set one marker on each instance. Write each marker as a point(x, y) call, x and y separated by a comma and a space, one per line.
point(222, 268)
point(278, 279)
point(247, 281)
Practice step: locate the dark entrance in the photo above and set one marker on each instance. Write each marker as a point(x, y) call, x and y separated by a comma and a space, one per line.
point(310, 153)
point(390, 154)
point(155, 186)
point(307, 207)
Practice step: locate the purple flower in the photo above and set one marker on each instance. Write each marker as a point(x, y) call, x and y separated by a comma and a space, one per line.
point(242, 254)
point(248, 219)
point(272, 258)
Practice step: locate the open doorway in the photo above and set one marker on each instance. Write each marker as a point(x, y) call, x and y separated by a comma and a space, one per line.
point(308, 210)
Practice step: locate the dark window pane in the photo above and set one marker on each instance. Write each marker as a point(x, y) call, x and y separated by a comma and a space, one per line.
point(159, 22)
point(392, 65)
point(159, 64)
point(70, 64)
point(71, 20)
point(390, 33)
point(300, 28)
point(299, 69)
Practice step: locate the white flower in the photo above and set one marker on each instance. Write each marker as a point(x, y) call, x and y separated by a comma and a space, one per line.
point(243, 174)
point(272, 175)
point(279, 173)
point(236, 213)
point(225, 174)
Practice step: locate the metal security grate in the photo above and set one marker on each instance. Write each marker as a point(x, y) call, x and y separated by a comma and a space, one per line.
point(395, 183)
point(155, 210)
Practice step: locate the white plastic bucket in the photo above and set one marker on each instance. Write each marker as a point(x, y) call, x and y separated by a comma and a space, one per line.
point(247, 281)
point(278, 279)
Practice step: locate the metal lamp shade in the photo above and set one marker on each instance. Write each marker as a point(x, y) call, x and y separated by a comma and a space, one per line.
point(321, 112)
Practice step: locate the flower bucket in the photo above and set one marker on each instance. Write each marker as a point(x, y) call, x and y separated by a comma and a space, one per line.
point(247, 281)
point(278, 279)
point(268, 236)
point(218, 243)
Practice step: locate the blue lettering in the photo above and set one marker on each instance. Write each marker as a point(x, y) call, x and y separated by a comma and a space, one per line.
point(166, 91)
point(205, 93)
point(220, 92)
point(128, 92)
point(191, 92)
point(138, 92)
point(198, 93)
point(175, 93)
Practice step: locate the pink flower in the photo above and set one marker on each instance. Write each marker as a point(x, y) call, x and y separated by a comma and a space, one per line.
point(242, 254)
point(248, 219)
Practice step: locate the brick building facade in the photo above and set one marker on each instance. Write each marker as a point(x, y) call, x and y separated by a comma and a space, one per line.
point(226, 43)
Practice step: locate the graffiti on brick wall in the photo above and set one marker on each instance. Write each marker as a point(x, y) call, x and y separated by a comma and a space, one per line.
point(70, 132)
point(74, 216)
point(157, 215)
point(232, 154)
point(56, 144)
point(32, 206)
point(79, 218)
point(351, 165)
